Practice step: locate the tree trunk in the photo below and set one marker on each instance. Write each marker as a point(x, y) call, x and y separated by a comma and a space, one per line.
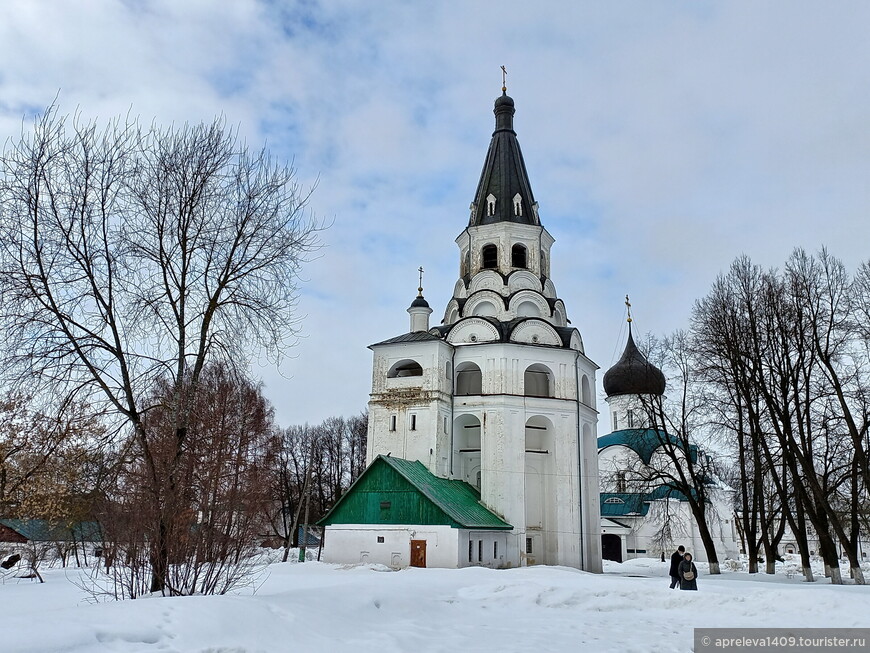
point(159, 558)
point(832, 563)
point(706, 539)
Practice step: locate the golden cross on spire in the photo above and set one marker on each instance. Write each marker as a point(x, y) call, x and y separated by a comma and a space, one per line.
point(420, 289)
point(503, 79)
point(628, 305)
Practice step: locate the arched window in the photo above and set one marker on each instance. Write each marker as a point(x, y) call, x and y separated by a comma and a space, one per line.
point(466, 452)
point(490, 256)
point(469, 380)
point(405, 368)
point(519, 256)
point(485, 309)
point(585, 393)
point(537, 381)
point(528, 309)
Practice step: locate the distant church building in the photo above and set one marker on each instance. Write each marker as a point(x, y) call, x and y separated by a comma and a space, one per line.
point(482, 430)
point(645, 522)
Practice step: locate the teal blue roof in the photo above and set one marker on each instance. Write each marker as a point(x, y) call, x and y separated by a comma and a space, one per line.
point(626, 504)
point(643, 442)
point(41, 530)
point(621, 504)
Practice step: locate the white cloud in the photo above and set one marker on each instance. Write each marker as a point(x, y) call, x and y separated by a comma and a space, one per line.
point(662, 140)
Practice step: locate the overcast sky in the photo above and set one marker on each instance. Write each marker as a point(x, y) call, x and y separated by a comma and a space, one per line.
point(662, 140)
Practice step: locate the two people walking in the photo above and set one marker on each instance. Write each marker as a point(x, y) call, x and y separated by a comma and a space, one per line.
point(683, 571)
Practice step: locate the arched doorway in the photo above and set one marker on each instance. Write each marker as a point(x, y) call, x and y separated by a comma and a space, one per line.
point(540, 504)
point(611, 547)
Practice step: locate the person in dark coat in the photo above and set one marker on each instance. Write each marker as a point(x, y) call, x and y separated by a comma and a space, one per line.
point(688, 573)
point(676, 559)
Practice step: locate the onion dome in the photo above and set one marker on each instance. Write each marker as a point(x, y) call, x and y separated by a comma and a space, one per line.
point(633, 374)
point(419, 301)
point(419, 310)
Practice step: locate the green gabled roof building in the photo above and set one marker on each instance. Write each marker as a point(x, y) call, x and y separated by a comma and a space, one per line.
point(43, 530)
point(398, 491)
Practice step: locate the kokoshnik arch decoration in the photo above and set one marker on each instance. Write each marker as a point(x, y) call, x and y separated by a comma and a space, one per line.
point(496, 399)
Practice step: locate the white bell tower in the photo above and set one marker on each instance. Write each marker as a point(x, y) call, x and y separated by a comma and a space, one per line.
point(501, 394)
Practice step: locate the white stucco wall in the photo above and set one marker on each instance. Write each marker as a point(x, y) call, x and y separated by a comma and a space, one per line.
point(446, 547)
point(358, 543)
point(424, 398)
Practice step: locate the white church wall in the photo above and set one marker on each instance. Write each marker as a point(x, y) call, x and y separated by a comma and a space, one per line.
point(508, 472)
point(588, 498)
point(358, 543)
point(505, 235)
point(407, 414)
point(486, 549)
point(627, 412)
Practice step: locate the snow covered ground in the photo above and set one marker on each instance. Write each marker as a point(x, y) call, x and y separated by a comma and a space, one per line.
point(320, 607)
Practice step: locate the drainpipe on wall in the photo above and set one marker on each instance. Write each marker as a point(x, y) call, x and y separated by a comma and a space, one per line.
point(579, 461)
point(452, 402)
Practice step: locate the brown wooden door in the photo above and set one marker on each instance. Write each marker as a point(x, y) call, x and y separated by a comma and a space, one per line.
point(418, 553)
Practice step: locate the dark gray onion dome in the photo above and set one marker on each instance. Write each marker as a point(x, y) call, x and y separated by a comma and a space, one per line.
point(503, 100)
point(633, 374)
point(419, 302)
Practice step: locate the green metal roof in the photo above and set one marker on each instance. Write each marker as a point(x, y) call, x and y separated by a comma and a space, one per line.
point(456, 498)
point(41, 530)
point(644, 442)
point(437, 501)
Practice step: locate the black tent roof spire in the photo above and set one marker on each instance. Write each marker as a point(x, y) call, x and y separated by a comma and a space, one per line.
point(504, 193)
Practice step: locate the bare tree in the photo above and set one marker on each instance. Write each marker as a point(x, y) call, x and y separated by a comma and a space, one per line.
point(311, 468)
point(784, 352)
point(678, 425)
point(130, 255)
point(214, 532)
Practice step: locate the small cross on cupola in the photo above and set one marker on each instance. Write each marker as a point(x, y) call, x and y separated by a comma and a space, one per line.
point(504, 193)
point(419, 309)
